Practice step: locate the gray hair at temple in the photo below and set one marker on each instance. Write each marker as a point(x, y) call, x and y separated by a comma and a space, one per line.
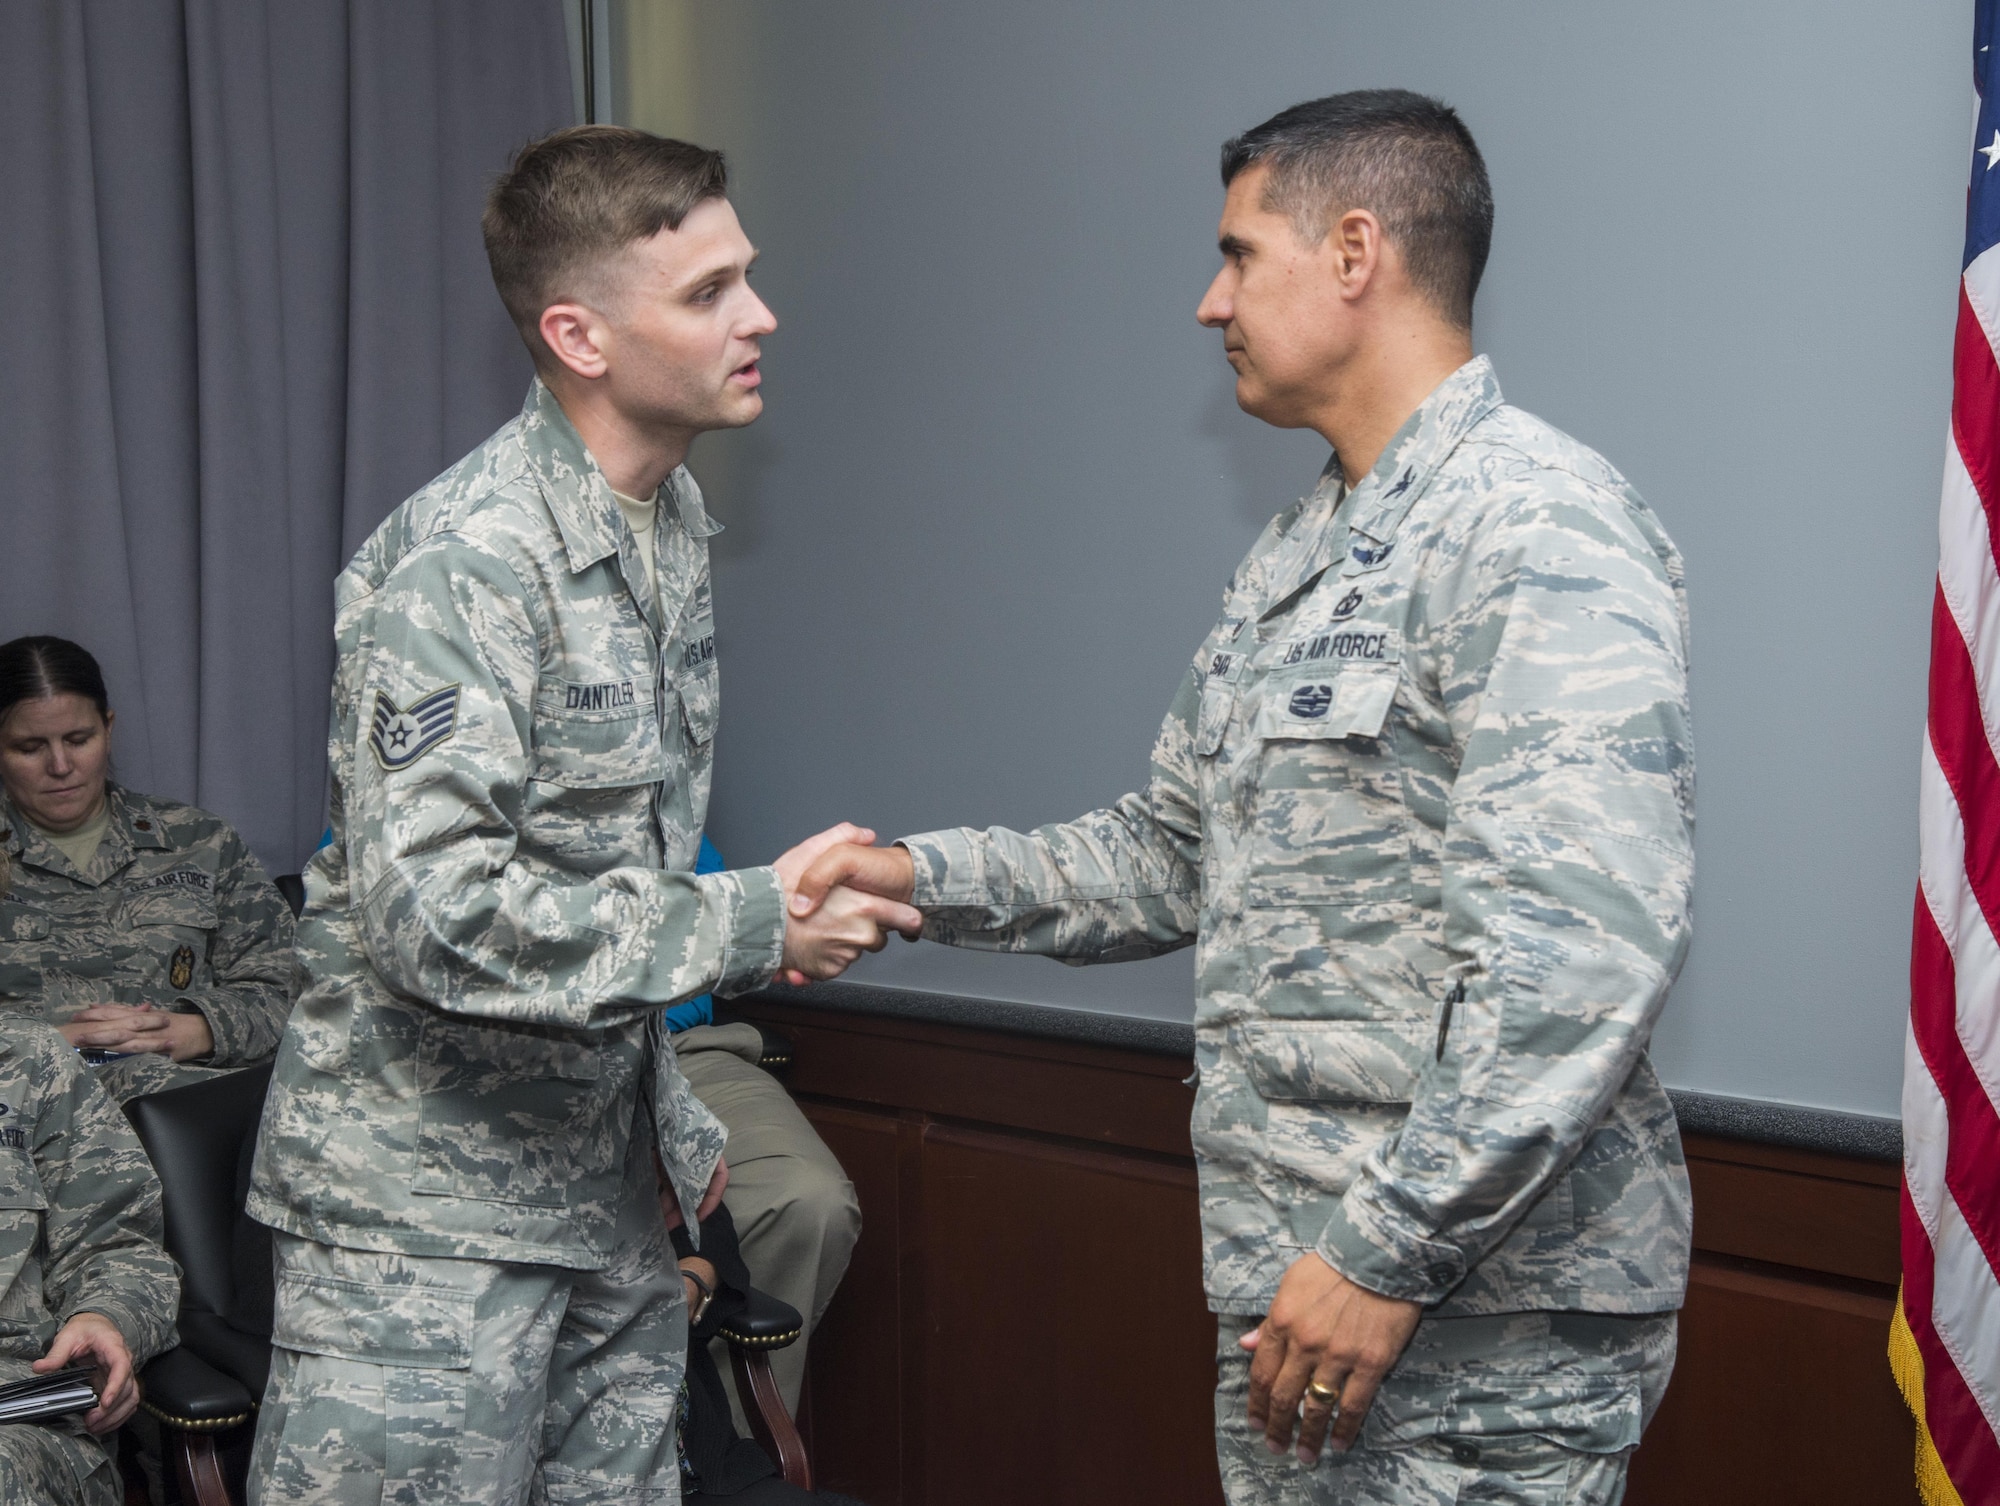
point(1406, 158)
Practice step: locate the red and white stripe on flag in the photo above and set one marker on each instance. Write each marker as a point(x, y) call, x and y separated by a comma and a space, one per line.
point(1944, 1343)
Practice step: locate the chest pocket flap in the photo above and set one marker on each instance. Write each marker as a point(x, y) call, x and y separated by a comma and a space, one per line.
point(599, 736)
point(19, 923)
point(182, 904)
point(1349, 701)
point(701, 708)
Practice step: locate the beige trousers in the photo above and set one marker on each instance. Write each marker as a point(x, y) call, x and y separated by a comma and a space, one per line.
point(795, 1211)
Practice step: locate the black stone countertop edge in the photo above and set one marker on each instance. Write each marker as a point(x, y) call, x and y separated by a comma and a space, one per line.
point(1782, 1124)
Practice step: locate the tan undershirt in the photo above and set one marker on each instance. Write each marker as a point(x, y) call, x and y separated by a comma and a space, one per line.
point(640, 515)
point(81, 845)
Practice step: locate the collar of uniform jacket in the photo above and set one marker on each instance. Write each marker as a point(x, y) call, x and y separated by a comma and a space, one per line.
point(1378, 502)
point(131, 829)
point(1420, 447)
point(578, 496)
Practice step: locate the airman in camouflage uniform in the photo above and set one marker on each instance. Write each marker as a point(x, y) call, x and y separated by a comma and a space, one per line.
point(173, 911)
point(1424, 806)
point(79, 1232)
point(476, 1119)
point(452, 1149)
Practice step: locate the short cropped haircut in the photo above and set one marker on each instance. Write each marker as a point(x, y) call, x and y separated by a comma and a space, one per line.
point(579, 196)
point(1407, 159)
point(40, 665)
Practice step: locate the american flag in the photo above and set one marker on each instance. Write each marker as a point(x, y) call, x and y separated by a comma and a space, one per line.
point(1944, 1343)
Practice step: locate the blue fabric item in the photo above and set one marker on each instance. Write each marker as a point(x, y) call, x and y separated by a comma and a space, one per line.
point(326, 838)
point(698, 1011)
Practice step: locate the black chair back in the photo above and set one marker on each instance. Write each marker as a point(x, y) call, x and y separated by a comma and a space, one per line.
point(201, 1139)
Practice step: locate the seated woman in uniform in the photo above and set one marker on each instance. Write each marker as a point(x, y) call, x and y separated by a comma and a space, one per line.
point(86, 1282)
point(143, 929)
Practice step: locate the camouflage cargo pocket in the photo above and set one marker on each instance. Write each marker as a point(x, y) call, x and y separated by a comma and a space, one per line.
point(409, 1325)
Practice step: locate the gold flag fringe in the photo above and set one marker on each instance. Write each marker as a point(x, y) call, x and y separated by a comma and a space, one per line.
point(1906, 1362)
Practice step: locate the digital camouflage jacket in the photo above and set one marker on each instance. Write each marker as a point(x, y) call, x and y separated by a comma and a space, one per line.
point(521, 751)
point(1424, 805)
point(174, 911)
point(79, 1207)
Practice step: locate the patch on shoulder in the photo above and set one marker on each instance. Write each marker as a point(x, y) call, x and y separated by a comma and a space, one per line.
point(400, 737)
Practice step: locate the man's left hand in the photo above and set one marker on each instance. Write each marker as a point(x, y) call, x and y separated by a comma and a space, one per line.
point(1324, 1328)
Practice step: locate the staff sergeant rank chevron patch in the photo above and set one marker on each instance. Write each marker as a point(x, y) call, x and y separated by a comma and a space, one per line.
point(400, 738)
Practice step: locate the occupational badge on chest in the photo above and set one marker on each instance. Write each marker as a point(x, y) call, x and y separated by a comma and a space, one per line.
point(181, 973)
point(400, 737)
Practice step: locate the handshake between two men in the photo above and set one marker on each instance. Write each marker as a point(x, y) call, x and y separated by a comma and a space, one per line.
point(843, 897)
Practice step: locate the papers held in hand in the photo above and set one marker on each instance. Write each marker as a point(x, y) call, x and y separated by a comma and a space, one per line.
point(50, 1395)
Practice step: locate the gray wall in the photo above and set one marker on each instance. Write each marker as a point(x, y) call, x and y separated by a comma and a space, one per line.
point(1001, 478)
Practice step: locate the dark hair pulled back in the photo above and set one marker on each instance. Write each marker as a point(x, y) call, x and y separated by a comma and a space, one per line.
point(38, 666)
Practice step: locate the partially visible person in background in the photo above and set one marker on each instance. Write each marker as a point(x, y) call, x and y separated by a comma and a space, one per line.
point(142, 929)
point(85, 1279)
point(794, 1210)
point(717, 1462)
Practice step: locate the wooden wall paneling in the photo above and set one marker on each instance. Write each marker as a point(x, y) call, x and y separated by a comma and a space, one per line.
point(1068, 1354)
point(918, 1442)
point(1795, 1208)
point(1023, 1319)
point(854, 1400)
point(1781, 1393)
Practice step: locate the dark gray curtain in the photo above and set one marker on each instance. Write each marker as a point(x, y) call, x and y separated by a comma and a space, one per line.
point(245, 312)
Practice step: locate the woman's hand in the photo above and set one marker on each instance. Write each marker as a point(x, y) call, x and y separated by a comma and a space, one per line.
point(93, 1339)
point(134, 1028)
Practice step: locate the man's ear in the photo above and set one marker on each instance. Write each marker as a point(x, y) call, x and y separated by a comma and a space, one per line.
point(575, 335)
point(1357, 247)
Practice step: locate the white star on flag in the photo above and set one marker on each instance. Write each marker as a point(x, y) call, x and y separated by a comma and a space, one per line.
point(1991, 153)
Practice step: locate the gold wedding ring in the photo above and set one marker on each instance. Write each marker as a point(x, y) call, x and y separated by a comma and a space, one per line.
point(1322, 1393)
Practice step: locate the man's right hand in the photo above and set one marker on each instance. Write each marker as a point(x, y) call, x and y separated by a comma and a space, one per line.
point(825, 938)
